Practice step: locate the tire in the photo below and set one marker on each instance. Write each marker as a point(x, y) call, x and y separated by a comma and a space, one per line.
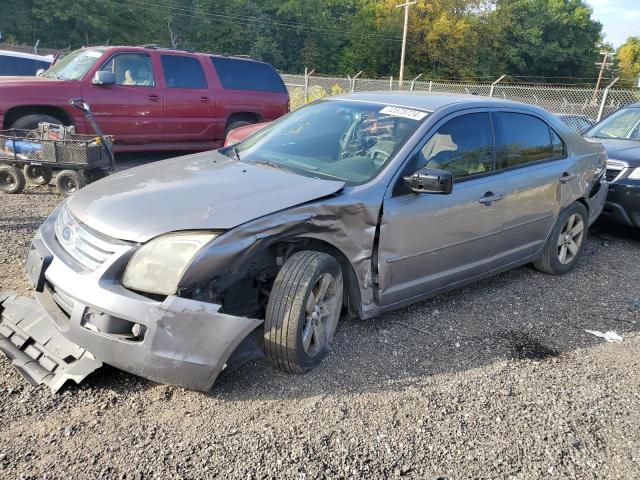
point(11, 179)
point(70, 181)
point(95, 174)
point(566, 242)
point(297, 331)
point(30, 122)
point(38, 174)
point(236, 124)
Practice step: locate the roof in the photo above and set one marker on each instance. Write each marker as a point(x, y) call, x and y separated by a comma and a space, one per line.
point(31, 56)
point(427, 101)
point(142, 48)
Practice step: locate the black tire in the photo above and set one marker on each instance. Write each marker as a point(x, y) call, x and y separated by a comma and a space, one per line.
point(236, 124)
point(38, 174)
point(30, 122)
point(550, 262)
point(286, 318)
point(11, 179)
point(70, 181)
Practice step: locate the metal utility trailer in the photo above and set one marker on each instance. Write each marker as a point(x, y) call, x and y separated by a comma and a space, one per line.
point(34, 154)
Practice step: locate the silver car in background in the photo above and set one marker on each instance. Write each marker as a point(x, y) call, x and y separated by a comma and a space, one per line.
point(359, 203)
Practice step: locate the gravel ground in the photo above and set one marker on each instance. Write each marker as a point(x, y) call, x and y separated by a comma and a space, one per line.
point(497, 380)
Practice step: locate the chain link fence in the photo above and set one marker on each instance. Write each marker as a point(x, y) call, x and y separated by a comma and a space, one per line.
point(589, 102)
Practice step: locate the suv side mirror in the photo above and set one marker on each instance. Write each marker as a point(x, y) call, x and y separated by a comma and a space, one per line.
point(103, 78)
point(430, 180)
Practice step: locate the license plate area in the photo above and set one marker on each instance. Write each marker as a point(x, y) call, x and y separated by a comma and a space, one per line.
point(38, 259)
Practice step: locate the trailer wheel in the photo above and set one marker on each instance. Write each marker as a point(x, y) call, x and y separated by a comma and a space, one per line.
point(38, 174)
point(70, 181)
point(95, 174)
point(11, 179)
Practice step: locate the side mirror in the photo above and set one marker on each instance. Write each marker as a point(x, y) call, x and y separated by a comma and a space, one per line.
point(430, 180)
point(104, 78)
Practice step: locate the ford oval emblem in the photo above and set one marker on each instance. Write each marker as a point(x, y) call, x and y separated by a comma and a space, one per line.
point(66, 233)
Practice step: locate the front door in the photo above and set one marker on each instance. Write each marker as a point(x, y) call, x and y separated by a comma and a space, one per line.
point(131, 110)
point(431, 241)
point(189, 102)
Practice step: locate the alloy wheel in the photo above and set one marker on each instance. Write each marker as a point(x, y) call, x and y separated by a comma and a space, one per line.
point(321, 315)
point(570, 239)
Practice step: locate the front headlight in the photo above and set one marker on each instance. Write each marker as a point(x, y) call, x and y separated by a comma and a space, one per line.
point(635, 174)
point(158, 266)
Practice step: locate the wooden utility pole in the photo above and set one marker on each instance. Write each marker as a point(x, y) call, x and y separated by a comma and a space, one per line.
point(406, 6)
point(603, 66)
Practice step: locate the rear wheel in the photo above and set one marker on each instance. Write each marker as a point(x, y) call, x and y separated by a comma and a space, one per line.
point(11, 179)
point(303, 311)
point(30, 122)
point(566, 243)
point(236, 124)
point(38, 174)
point(70, 181)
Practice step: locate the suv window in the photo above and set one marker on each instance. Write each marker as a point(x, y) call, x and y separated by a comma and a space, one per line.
point(463, 146)
point(522, 138)
point(183, 72)
point(236, 74)
point(132, 69)
point(10, 65)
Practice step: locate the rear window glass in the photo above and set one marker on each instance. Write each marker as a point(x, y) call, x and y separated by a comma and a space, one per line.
point(522, 139)
point(238, 74)
point(183, 72)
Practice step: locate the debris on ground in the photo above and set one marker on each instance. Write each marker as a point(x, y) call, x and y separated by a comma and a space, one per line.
point(609, 336)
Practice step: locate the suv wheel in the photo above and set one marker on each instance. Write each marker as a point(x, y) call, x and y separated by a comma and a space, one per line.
point(303, 311)
point(566, 243)
point(30, 122)
point(236, 124)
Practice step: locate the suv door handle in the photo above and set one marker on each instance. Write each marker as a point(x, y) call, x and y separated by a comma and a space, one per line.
point(566, 176)
point(490, 197)
point(154, 98)
point(204, 99)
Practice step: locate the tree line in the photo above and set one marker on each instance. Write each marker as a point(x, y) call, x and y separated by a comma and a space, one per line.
point(479, 39)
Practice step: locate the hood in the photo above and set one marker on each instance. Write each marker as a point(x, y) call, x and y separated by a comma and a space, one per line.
point(203, 191)
point(625, 150)
point(25, 81)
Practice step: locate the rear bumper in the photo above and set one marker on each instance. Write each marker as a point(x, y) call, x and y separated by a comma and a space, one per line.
point(623, 203)
point(178, 341)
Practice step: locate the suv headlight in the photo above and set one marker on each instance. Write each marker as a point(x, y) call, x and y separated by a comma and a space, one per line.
point(635, 174)
point(158, 266)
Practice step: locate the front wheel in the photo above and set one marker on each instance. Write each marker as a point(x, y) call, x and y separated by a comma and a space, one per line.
point(566, 243)
point(303, 311)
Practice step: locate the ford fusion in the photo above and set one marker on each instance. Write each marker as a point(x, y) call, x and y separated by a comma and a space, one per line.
point(350, 206)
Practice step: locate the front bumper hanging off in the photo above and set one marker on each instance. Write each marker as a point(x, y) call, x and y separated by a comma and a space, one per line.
point(36, 347)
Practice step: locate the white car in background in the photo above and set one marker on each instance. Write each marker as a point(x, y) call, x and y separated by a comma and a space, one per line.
point(18, 64)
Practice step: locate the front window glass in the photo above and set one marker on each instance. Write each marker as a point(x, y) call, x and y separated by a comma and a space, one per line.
point(463, 146)
point(75, 65)
point(624, 124)
point(346, 140)
point(131, 69)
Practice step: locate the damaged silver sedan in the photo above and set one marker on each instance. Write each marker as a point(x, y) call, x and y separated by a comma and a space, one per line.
point(357, 204)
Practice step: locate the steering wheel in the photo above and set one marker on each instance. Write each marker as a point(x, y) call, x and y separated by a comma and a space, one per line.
point(374, 153)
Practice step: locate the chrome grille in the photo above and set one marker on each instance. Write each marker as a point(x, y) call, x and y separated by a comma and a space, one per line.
point(614, 169)
point(86, 248)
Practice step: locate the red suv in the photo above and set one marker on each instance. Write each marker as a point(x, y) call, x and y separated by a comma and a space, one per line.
point(149, 98)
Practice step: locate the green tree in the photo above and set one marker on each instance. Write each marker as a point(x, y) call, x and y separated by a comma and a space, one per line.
point(628, 57)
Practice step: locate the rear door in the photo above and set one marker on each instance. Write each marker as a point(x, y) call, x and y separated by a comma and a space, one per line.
point(533, 161)
point(431, 241)
point(132, 108)
point(189, 103)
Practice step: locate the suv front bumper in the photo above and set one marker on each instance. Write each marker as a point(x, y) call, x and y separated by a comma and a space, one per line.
point(623, 203)
point(177, 341)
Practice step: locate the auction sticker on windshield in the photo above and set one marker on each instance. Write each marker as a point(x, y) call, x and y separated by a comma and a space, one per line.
point(404, 112)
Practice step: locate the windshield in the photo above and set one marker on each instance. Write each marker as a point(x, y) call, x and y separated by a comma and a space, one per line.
point(346, 140)
point(624, 124)
point(75, 65)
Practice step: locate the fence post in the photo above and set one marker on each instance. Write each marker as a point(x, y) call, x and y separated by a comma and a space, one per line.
point(391, 83)
point(430, 84)
point(494, 84)
point(307, 74)
point(413, 82)
point(604, 98)
point(353, 81)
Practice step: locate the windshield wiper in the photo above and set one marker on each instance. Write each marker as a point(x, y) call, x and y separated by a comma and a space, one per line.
point(277, 166)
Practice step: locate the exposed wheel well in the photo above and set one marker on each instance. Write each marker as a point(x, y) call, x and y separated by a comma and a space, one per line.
point(250, 117)
point(15, 113)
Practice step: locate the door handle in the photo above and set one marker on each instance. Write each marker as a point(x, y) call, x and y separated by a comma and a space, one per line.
point(154, 98)
point(490, 197)
point(204, 99)
point(566, 176)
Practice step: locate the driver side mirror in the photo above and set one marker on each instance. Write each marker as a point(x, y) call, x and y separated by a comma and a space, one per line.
point(104, 78)
point(430, 180)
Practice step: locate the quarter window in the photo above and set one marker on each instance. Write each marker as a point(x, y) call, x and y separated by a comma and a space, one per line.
point(463, 146)
point(522, 138)
point(183, 72)
point(132, 69)
point(237, 74)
